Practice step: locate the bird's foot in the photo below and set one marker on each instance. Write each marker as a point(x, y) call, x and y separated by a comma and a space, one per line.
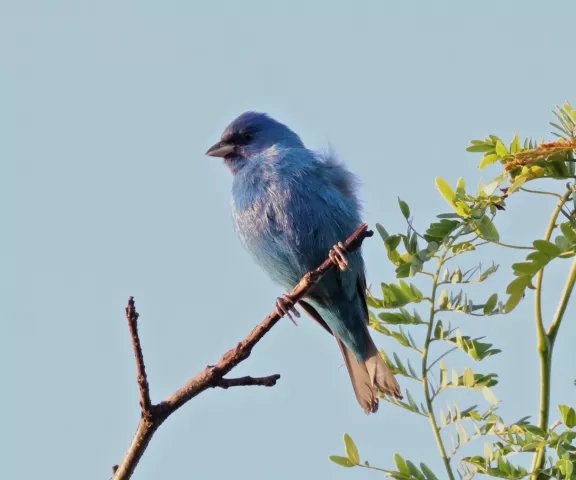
point(338, 256)
point(285, 306)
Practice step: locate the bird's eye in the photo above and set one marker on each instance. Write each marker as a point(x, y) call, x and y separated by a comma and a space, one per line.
point(247, 137)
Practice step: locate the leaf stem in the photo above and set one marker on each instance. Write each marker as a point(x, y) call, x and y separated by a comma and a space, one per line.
point(507, 245)
point(540, 192)
point(370, 467)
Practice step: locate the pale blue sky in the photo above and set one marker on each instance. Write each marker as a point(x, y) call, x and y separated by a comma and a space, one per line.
point(106, 111)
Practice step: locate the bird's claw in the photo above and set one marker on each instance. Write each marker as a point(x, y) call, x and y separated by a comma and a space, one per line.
point(338, 256)
point(285, 306)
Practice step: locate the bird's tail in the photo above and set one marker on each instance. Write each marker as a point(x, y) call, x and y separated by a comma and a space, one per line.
point(380, 375)
point(369, 378)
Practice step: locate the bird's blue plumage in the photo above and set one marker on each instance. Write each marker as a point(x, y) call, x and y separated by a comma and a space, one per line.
point(291, 206)
point(289, 213)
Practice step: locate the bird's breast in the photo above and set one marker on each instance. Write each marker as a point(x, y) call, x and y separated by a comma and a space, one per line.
point(261, 209)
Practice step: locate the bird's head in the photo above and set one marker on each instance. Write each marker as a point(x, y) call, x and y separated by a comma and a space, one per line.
point(249, 135)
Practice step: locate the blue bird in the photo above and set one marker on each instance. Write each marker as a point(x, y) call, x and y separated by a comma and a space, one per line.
point(291, 208)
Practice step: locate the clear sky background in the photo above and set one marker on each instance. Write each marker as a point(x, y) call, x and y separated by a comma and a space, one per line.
point(106, 110)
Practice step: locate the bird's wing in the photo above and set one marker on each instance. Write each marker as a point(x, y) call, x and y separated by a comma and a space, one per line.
point(361, 289)
point(338, 216)
point(314, 315)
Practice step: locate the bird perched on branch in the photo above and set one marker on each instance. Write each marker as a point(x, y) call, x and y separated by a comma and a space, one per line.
point(292, 207)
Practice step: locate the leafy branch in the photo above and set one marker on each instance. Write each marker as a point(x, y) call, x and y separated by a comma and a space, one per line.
point(466, 229)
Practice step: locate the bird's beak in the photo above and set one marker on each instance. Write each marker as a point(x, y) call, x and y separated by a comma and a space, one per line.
point(221, 149)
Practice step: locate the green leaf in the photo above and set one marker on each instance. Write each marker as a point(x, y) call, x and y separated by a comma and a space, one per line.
point(488, 159)
point(513, 301)
point(515, 145)
point(443, 419)
point(570, 111)
point(403, 270)
point(395, 296)
point(487, 452)
point(461, 188)
point(569, 232)
point(489, 395)
point(456, 276)
point(540, 258)
point(562, 243)
point(487, 273)
point(414, 471)
point(373, 302)
point(426, 470)
point(443, 300)
point(476, 349)
point(404, 209)
point(401, 318)
point(463, 247)
point(501, 149)
point(342, 461)
point(490, 304)
point(401, 464)
point(443, 374)
point(487, 230)
point(547, 247)
point(392, 242)
point(568, 415)
point(526, 268)
point(534, 430)
point(351, 450)
point(445, 190)
point(382, 231)
point(519, 285)
point(565, 466)
point(455, 378)
point(469, 380)
point(440, 230)
point(517, 185)
point(462, 209)
point(480, 148)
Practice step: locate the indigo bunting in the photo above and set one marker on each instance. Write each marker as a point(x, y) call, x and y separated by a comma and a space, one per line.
point(291, 208)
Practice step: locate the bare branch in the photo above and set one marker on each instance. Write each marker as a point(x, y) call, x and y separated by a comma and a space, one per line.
point(213, 375)
point(269, 381)
point(132, 317)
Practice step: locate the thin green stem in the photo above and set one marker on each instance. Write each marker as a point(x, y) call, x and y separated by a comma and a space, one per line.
point(425, 381)
point(567, 214)
point(427, 274)
point(455, 245)
point(441, 357)
point(563, 177)
point(542, 339)
point(568, 289)
point(397, 404)
point(516, 247)
point(507, 245)
point(546, 340)
point(540, 192)
point(375, 468)
point(413, 229)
